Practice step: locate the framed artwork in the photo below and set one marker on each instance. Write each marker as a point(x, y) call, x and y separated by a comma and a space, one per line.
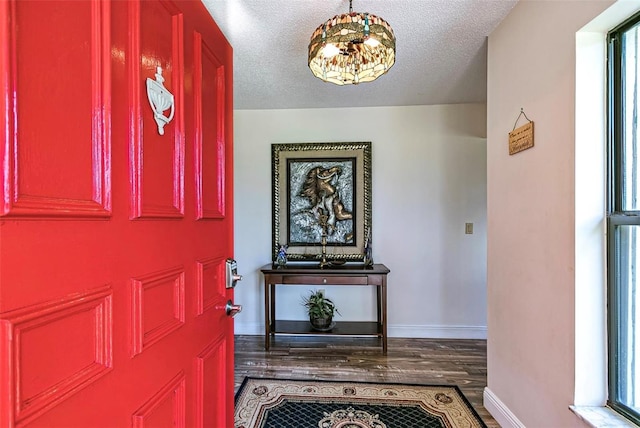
point(321, 189)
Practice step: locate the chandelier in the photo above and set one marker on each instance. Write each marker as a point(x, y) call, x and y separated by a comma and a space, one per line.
point(352, 48)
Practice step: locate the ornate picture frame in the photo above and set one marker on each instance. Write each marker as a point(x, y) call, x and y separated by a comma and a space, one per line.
point(321, 189)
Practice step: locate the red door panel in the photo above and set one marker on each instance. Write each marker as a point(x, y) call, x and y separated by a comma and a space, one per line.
point(113, 236)
point(210, 374)
point(157, 30)
point(37, 181)
point(73, 333)
point(210, 284)
point(157, 307)
point(166, 408)
point(210, 130)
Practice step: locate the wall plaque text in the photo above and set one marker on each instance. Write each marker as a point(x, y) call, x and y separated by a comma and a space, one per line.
point(521, 139)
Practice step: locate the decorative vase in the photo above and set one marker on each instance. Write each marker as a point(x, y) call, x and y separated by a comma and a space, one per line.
point(321, 323)
point(281, 258)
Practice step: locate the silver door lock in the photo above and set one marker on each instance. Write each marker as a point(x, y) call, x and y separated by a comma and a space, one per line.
point(232, 273)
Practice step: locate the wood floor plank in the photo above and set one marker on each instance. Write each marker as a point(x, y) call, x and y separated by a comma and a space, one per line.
point(417, 361)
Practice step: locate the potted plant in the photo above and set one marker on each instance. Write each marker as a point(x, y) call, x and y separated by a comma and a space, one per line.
point(320, 310)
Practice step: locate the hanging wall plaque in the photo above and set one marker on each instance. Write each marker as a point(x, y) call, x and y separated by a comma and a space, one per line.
point(522, 138)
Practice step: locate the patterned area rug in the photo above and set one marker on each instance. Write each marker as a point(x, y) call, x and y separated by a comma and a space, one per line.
point(280, 403)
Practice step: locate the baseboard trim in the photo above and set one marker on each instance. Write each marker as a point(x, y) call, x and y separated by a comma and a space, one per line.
point(438, 331)
point(248, 329)
point(408, 331)
point(500, 411)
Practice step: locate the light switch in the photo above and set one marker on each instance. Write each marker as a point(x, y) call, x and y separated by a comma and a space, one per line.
point(468, 228)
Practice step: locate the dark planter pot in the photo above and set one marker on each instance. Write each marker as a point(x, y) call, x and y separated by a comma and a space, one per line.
point(320, 323)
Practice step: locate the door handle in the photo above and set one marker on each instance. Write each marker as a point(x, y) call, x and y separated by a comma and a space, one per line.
point(232, 273)
point(232, 310)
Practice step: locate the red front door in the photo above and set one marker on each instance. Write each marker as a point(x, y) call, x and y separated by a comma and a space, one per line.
point(115, 222)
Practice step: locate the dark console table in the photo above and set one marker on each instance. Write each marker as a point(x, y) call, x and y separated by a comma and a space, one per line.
point(311, 274)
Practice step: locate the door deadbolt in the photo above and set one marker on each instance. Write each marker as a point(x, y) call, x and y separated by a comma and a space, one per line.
point(232, 273)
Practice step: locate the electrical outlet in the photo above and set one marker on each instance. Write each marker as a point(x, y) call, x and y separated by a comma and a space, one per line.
point(321, 291)
point(468, 228)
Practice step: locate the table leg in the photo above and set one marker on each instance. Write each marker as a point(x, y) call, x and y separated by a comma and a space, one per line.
point(379, 308)
point(272, 296)
point(383, 300)
point(267, 315)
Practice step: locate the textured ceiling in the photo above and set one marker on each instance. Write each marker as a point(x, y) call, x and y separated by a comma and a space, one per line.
point(441, 51)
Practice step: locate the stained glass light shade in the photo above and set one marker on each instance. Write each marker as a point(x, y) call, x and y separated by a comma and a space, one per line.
point(352, 48)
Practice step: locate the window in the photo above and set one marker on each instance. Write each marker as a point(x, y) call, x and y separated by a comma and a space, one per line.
point(624, 219)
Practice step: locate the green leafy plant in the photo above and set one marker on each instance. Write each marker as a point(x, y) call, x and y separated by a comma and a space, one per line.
point(319, 306)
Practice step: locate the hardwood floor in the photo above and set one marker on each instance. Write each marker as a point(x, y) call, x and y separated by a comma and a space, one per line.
point(417, 361)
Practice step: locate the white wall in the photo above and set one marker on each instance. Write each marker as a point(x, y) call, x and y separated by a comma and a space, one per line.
point(531, 198)
point(429, 178)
